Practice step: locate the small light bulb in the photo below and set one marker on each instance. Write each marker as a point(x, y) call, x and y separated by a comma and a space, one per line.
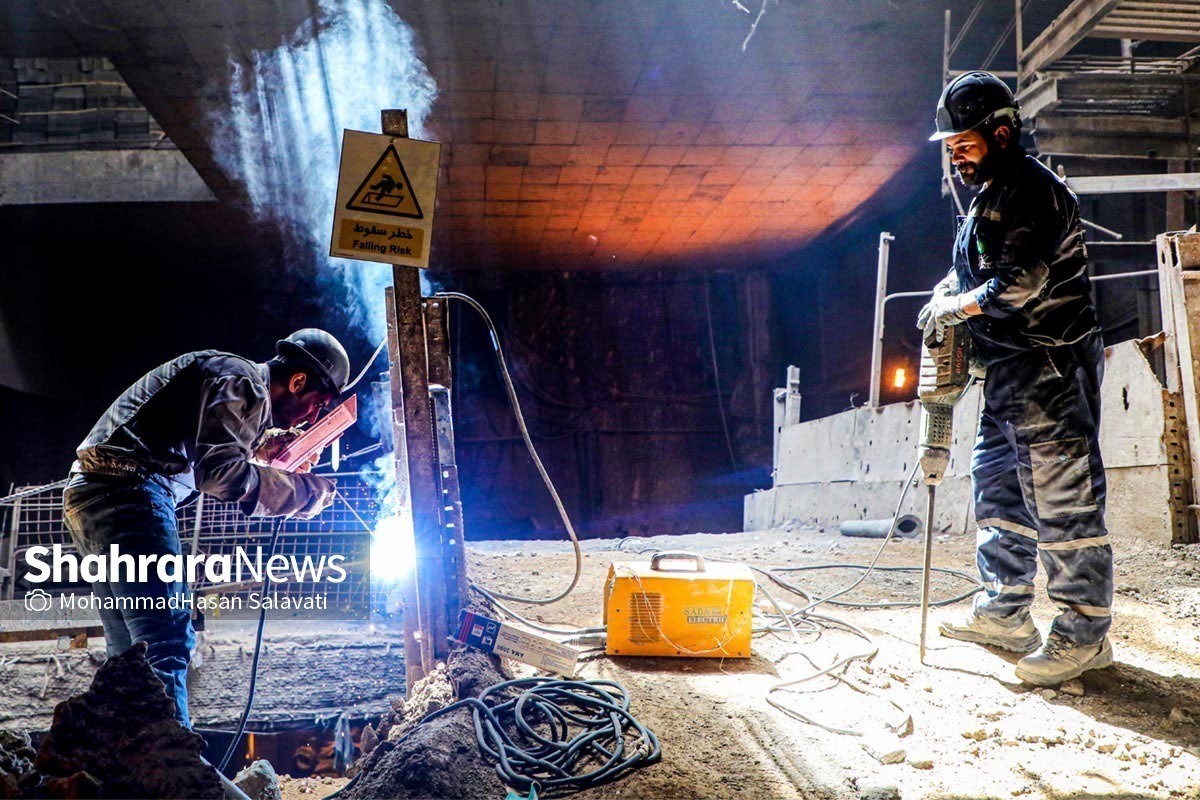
point(900, 377)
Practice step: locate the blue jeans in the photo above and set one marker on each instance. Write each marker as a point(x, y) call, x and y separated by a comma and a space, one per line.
point(139, 517)
point(1039, 488)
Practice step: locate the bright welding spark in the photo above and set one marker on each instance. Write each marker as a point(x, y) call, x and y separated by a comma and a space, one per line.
point(900, 378)
point(392, 552)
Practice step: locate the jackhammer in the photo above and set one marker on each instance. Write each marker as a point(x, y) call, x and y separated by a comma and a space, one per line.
point(945, 374)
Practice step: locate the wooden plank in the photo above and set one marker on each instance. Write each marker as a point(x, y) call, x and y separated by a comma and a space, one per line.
point(44, 634)
point(1187, 251)
point(1167, 33)
point(1166, 294)
point(1124, 136)
point(1172, 183)
point(1040, 96)
point(1066, 31)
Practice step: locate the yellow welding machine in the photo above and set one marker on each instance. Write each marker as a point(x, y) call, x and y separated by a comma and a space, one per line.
point(677, 604)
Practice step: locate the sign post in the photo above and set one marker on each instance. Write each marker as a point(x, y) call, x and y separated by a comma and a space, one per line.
point(387, 187)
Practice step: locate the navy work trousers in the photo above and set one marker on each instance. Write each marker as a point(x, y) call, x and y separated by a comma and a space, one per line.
point(1038, 482)
point(139, 517)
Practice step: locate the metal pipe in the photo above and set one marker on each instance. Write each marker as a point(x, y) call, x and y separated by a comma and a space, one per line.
point(1020, 30)
point(885, 240)
point(1117, 275)
point(926, 565)
point(905, 525)
point(1106, 231)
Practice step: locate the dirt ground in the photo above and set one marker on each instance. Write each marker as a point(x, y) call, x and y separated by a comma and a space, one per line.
point(976, 731)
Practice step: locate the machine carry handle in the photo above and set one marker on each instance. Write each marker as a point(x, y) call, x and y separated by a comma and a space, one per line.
point(676, 555)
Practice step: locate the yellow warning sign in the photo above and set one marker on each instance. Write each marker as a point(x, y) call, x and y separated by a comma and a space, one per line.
point(383, 178)
point(386, 189)
point(380, 239)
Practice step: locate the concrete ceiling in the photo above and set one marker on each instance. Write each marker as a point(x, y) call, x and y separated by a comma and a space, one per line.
point(582, 134)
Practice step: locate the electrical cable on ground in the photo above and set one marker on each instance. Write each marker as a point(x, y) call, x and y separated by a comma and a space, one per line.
point(524, 725)
point(533, 454)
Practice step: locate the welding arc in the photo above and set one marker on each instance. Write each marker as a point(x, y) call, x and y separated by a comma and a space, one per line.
point(528, 733)
point(533, 454)
point(258, 638)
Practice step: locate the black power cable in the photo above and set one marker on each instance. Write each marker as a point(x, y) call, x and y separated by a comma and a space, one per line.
point(258, 638)
point(542, 731)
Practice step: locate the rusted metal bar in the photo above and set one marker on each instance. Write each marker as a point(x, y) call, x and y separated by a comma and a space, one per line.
point(414, 667)
point(437, 340)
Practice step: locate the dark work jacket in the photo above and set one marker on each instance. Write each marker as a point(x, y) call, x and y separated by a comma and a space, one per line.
point(191, 424)
point(1020, 251)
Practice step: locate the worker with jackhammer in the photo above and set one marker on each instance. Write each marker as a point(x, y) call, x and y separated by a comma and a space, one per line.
point(192, 426)
point(1020, 285)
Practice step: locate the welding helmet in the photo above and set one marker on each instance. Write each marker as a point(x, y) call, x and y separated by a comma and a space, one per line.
point(320, 352)
point(971, 100)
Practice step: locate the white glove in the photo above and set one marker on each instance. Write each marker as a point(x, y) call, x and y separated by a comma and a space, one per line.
point(942, 312)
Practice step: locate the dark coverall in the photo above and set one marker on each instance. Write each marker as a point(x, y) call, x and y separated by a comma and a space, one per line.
point(1036, 472)
point(187, 426)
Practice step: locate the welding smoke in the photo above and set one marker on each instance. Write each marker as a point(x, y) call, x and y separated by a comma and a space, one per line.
point(280, 137)
point(282, 131)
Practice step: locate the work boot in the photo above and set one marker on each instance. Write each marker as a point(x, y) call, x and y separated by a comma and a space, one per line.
point(1060, 660)
point(1016, 633)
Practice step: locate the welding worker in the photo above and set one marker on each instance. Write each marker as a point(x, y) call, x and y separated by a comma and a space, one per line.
point(1020, 284)
point(191, 426)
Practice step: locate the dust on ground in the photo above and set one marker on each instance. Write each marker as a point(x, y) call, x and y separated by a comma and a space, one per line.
point(309, 788)
point(977, 732)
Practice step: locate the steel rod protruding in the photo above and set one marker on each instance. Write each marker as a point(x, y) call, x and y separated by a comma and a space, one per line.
point(926, 570)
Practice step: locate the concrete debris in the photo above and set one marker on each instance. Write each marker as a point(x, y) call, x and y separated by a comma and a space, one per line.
point(120, 739)
point(1072, 687)
point(17, 776)
point(441, 758)
point(1183, 715)
point(1048, 694)
point(881, 792)
point(884, 749)
point(368, 739)
point(920, 761)
point(259, 781)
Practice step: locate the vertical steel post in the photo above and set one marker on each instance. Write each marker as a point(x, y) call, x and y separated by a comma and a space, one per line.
point(947, 186)
point(425, 630)
point(885, 240)
point(11, 553)
point(1020, 43)
point(453, 550)
point(196, 525)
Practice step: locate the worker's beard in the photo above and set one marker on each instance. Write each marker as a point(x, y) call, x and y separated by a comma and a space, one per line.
point(977, 173)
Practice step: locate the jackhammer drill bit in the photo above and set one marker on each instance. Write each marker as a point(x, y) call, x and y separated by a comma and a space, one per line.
point(943, 378)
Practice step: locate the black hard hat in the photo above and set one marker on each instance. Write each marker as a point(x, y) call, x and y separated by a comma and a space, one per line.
point(972, 99)
point(319, 351)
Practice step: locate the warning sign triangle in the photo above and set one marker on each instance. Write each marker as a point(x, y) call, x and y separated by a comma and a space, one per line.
point(386, 189)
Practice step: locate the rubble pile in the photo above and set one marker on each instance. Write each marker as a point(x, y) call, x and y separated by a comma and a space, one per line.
point(440, 758)
point(17, 775)
point(120, 739)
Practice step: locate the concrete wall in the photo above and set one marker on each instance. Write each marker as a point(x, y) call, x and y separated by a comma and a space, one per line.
point(853, 465)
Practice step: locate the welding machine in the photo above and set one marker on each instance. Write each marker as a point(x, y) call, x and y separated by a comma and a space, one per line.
point(677, 604)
